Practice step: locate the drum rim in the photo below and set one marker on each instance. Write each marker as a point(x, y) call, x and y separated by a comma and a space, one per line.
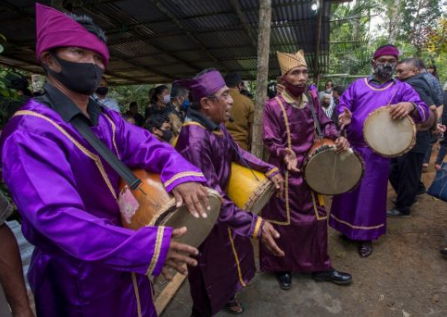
point(332, 148)
point(413, 139)
point(263, 188)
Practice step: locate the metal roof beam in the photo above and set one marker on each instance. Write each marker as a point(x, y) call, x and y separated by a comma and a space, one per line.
point(243, 20)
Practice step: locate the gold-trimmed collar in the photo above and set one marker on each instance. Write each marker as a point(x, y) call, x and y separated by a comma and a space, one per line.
point(378, 89)
point(292, 101)
point(219, 132)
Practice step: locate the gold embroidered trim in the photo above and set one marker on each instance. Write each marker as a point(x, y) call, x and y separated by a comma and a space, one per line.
point(158, 243)
point(316, 209)
point(112, 124)
point(356, 227)
point(91, 155)
point(137, 294)
point(273, 170)
point(181, 175)
point(219, 133)
point(377, 89)
point(236, 259)
point(257, 227)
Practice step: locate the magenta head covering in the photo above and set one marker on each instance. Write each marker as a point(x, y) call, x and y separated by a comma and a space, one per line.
point(388, 49)
point(203, 85)
point(55, 29)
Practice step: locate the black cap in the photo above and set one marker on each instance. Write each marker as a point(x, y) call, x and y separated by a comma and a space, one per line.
point(233, 79)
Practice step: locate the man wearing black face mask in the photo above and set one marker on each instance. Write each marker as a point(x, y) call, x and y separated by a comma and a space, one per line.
point(101, 96)
point(300, 218)
point(160, 127)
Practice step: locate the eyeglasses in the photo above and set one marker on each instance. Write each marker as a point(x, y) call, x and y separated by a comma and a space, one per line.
point(225, 96)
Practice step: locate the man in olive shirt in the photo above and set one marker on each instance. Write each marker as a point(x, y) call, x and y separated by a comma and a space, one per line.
point(242, 112)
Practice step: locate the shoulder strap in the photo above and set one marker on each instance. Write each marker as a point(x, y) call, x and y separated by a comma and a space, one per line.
point(82, 127)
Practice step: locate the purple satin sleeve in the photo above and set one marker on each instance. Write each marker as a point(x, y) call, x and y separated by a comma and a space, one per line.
point(240, 221)
point(273, 132)
point(40, 177)
point(142, 150)
point(410, 95)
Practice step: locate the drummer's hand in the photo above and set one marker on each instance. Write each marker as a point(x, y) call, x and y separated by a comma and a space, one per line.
point(344, 119)
point(291, 161)
point(278, 180)
point(401, 109)
point(179, 255)
point(269, 234)
point(279, 89)
point(194, 195)
point(342, 144)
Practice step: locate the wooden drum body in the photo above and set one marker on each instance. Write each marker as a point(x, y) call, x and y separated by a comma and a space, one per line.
point(329, 172)
point(249, 192)
point(154, 206)
point(386, 136)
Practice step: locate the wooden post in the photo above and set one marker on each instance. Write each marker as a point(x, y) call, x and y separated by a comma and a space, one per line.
point(265, 17)
point(319, 21)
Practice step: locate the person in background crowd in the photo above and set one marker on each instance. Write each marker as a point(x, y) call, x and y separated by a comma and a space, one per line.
point(328, 106)
point(336, 94)
point(328, 87)
point(160, 127)
point(160, 102)
point(12, 283)
point(271, 90)
point(300, 218)
point(85, 263)
point(406, 170)
point(443, 144)
point(242, 112)
point(180, 102)
point(360, 215)
point(133, 111)
point(129, 118)
point(245, 92)
point(19, 84)
point(101, 96)
point(432, 70)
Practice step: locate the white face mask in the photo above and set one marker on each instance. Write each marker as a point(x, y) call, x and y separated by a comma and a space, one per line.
point(166, 98)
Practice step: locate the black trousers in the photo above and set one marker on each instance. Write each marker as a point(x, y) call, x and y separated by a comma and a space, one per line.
point(405, 173)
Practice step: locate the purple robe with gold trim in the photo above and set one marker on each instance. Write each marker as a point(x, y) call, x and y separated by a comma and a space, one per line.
point(361, 214)
point(85, 263)
point(226, 260)
point(300, 218)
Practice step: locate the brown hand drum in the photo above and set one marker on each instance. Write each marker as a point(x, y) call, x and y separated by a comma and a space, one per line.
point(388, 137)
point(249, 189)
point(329, 172)
point(154, 206)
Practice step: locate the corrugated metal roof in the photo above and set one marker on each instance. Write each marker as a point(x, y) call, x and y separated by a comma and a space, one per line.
point(154, 41)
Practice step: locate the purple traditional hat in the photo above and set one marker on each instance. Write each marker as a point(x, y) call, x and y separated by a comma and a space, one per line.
point(55, 29)
point(388, 49)
point(203, 85)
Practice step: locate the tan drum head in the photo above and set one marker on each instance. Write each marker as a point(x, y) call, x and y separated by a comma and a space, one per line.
point(332, 173)
point(388, 137)
point(198, 228)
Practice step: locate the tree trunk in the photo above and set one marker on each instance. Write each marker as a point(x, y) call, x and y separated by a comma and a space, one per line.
point(394, 22)
point(265, 17)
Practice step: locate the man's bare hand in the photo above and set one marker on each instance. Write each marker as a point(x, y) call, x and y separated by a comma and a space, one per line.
point(344, 119)
point(179, 256)
point(279, 89)
point(195, 196)
point(278, 180)
point(291, 160)
point(401, 110)
point(342, 144)
point(269, 234)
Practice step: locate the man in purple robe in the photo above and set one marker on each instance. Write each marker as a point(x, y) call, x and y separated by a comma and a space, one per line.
point(85, 263)
point(226, 260)
point(300, 218)
point(360, 215)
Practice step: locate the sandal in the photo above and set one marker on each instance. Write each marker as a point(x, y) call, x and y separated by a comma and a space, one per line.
point(234, 306)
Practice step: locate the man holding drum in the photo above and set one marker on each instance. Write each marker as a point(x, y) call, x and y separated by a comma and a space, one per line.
point(84, 262)
point(226, 260)
point(361, 214)
point(300, 218)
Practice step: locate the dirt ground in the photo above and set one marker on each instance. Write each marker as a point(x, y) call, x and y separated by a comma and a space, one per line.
point(405, 276)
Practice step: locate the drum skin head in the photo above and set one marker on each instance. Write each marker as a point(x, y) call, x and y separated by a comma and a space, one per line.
point(332, 173)
point(388, 137)
point(198, 228)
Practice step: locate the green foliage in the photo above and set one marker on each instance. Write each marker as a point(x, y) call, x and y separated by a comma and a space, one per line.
point(124, 95)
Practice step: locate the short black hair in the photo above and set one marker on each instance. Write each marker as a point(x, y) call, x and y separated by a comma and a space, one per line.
point(233, 79)
point(89, 25)
point(133, 104)
point(158, 90)
point(155, 122)
point(416, 62)
point(339, 90)
point(178, 90)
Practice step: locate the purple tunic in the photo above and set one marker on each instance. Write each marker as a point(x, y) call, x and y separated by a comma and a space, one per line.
point(300, 218)
point(226, 260)
point(361, 214)
point(85, 263)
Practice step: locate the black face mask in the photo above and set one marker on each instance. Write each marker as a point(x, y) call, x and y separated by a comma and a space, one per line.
point(384, 70)
point(294, 90)
point(102, 91)
point(167, 135)
point(82, 78)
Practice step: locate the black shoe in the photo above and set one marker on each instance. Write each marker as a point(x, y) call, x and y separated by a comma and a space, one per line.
point(365, 249)
point(285, 280)
point(333, 276)
point(443, 251)
point(396, 213)
point(421, 190)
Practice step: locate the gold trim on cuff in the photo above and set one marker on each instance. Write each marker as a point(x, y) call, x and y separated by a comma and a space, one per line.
point(181, 175)
point(156, 255)
point(257, 227)
point(273, 170)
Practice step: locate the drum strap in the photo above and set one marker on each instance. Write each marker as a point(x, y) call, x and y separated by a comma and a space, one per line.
point(82, 127)
point(314, 115)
